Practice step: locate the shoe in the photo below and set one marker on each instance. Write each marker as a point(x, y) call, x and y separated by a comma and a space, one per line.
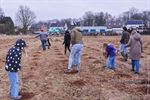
point(112, 69)
point(16, 98)
point(68, 71)
point(77, 71)
point(137, 73)
point(126, 57)
point(44, 49)
point(132, 70)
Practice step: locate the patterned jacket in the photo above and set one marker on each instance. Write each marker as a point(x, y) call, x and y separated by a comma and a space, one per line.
point(13, 58)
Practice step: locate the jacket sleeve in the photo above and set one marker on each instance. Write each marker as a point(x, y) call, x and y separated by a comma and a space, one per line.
point(37, 35)
point(6, 58)
point(46, 34)
point(17, 60)
point(122, 37)
point(141, 45)
point(129, 42)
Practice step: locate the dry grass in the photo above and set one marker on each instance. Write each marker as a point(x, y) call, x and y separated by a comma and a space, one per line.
point(42, 76)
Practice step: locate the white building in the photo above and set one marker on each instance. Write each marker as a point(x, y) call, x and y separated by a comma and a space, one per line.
point(93, 29)
point(117, 30)
point(139, 24)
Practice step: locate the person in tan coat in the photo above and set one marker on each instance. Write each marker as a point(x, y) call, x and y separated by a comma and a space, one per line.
point(135, 44)
point(77, 46)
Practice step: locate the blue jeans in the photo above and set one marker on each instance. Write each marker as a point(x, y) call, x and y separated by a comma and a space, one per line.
point(123, 48)
point(43, 44)
point(75, 56)
point(136, 65)
point(110, 63)
point(14, 84)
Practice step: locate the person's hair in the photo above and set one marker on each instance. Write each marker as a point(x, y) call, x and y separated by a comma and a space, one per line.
point(130, 30)
point(138, 31)
point(125, 28)
point(67, 31)
point(105, 45)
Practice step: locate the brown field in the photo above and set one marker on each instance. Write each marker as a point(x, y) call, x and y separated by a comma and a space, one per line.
point(42, 76)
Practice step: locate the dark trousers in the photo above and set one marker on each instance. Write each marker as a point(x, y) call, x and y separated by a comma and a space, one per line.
point(67, 46)
point(48, 43)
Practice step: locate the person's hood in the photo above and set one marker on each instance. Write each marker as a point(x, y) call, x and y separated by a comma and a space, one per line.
point(20, 43)
point(137, 36)
point(76, 29)
point(110, 45)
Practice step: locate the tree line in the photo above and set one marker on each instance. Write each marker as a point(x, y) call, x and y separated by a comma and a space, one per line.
point(25, 18)
point(102, 18)
point(6, 24)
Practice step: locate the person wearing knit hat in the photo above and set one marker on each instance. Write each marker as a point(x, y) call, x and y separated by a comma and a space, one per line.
point(13, 65)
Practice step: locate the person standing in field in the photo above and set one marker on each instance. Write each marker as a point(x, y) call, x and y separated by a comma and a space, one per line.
point(124, 40)
point(135, 44)
point(110, 54)
point(77, 46)
point(13, 65)
point(48, 43)
point(43, 37)
point(67, 39)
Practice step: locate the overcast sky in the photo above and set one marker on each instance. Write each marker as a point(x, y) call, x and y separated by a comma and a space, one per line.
point(57, 9)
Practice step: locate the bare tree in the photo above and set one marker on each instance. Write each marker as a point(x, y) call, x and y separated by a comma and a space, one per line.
point(101, 18)
point(96, 19)
point(1, 13)
point(66, 21)
point(146, 17)
point(25, 18)
point(88, 18)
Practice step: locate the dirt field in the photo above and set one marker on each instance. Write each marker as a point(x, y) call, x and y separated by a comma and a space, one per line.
point(42, 76)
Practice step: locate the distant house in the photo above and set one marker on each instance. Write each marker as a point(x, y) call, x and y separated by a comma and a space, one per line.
point(35, 28)
point(117, 31)
point(55, 27)
point(6, 25)
point(139, 24)
point(55, 30)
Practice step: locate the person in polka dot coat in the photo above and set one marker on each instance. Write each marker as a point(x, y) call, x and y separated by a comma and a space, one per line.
point(13, 65)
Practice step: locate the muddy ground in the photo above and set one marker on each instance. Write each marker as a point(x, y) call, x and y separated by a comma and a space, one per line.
point(42, 76)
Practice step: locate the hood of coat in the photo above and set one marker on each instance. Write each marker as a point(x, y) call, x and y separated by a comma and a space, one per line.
point(136, 36)
point(77, 29)
point(20, 43)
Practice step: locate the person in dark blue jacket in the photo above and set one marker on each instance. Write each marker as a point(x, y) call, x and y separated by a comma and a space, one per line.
point(110, 55)
point(13, 65)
